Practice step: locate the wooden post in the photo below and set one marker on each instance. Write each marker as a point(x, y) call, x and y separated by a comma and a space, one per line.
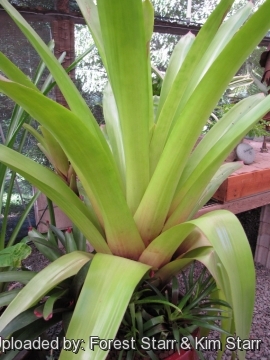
point(262, 254)
point(63, 35)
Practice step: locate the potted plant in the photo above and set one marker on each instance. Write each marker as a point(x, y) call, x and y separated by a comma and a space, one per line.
point(142, 180)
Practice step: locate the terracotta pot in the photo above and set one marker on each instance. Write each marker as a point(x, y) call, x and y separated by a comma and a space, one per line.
point(184, 355)
point(267, 116)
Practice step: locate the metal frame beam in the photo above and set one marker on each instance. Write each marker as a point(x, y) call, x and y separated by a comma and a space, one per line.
point(160, 26)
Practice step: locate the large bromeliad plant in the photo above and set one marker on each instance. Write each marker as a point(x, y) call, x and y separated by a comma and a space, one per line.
point(143, 179)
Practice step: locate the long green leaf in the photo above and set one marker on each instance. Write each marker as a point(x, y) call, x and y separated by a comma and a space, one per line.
point(104, 301)
point(89, 11)
point(49, 84)
point(162, 248)
point(60, 235)
point(98, 175)
point(220, 176)
point(70, 92)
point(205, 146)
point(223, 141)
point(23, 216)
point(42, 66)
point(19, 116)
point(221, 39)
point(79, 238)
point(193, 117)
point(120, 31)
point(7, 206)
point(213, 137)
point(59, 270)
point(48, 250)
point(184, 76)
point(178, 56)
point(148, 17)
point(229, 260)
point(79, 58)
point(20, 276)
point(114, 132)
point(237, 259)
point(13, 72)
point(60, 160)
point(8, 296)
point(70, 242)
point(55, 189)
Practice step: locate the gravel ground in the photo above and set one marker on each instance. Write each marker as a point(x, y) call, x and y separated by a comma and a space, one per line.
point(261, 320)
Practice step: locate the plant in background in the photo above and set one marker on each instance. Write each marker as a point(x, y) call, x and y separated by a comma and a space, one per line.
point(259, 130)
point(167, 315)
point(71, 240)
point(228, 100)
point(142, 179)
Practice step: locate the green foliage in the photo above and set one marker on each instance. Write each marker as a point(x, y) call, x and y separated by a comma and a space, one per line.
point(178, 310)
point(12, 185)
point(13, 255)
point(157, 84)
point(140, 179)
point(48, 244)
point(259, 129)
